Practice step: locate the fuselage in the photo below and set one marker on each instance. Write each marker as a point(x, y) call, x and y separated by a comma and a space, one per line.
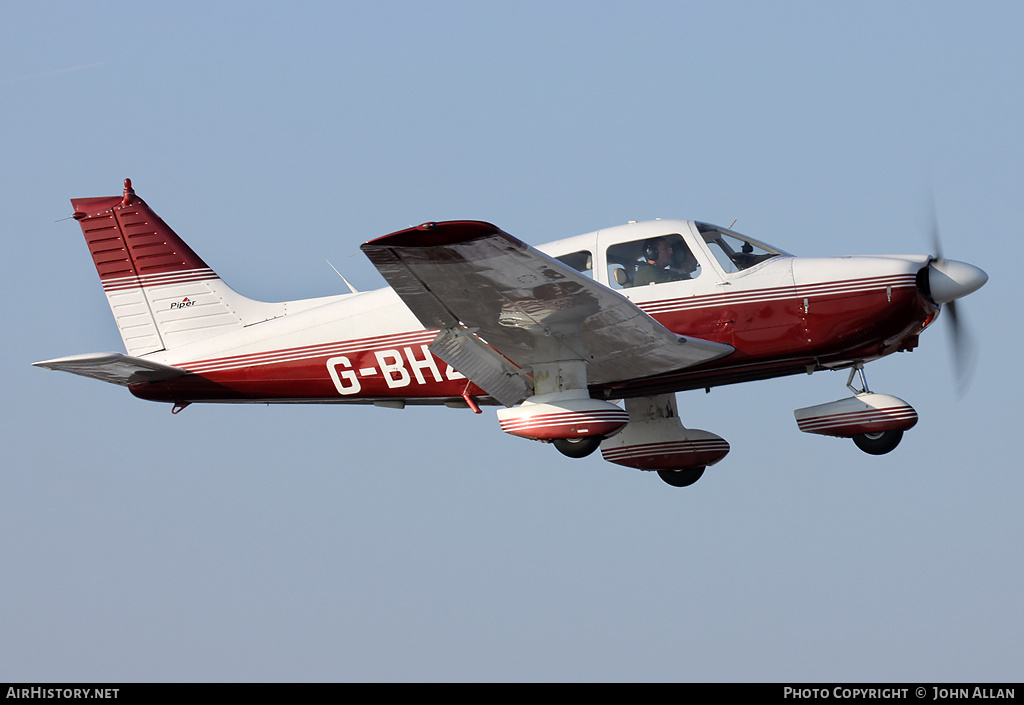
point(782, 314)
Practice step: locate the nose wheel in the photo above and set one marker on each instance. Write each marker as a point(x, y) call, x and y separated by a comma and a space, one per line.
point(878, 443)
point(875, 422)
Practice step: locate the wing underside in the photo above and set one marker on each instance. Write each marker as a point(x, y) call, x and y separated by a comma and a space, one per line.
point(510, 308)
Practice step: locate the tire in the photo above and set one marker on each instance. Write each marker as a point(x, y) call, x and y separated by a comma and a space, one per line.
point(878, 443)
point(681, 478)
point(577, 447)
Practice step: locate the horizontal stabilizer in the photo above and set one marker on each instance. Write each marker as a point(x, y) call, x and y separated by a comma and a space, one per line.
point(116, 368)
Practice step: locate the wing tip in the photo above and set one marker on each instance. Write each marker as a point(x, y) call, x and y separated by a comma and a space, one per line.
point(435, 234)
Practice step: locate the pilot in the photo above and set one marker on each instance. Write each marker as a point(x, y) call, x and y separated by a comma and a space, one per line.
point(684, 261)
point(664, 263)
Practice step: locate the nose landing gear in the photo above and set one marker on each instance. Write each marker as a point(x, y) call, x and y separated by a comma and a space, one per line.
point(875, 422)
point(878, 443)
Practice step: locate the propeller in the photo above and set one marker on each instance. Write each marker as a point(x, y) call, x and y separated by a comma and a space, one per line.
point(949, 280)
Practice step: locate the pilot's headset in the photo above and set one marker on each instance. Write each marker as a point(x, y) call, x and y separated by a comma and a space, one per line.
point(651, 249)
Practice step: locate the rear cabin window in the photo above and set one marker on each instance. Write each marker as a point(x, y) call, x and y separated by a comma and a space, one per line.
point(582, 262)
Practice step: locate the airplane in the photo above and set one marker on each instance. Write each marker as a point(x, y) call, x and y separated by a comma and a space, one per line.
point(583, 343)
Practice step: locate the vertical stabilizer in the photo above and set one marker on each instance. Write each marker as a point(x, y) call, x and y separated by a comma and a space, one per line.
point(162, 294)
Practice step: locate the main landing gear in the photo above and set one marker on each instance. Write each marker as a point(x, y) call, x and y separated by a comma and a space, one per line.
point(681, 478)
point(655, 439)
point(577, 447)
point(875, 422)
point(645, 435)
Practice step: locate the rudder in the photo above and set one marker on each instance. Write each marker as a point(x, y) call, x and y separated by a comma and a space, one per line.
point(162, 294)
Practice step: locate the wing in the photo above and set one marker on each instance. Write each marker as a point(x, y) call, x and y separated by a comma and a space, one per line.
point(115, 368)
point(497, 301)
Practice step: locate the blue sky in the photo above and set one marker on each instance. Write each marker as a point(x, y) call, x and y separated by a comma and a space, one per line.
point(334, 543)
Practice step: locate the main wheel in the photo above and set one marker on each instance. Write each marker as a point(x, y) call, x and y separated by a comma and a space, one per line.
point(681, 478)
point(878, 443)
point(577, 447)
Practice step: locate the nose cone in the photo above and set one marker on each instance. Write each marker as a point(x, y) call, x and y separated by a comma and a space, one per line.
point(949, 279)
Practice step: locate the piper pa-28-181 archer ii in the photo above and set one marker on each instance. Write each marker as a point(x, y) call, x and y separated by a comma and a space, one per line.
point(555, 335)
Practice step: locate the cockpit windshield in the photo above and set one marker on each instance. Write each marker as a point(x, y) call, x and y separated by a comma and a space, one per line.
point(733, 251)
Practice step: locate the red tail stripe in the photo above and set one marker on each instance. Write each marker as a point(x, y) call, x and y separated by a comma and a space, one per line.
point(126, 238)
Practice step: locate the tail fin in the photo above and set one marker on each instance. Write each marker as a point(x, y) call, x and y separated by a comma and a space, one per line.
point(161, 293)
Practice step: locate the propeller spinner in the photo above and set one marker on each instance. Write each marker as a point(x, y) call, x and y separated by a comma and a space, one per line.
point(949, 280)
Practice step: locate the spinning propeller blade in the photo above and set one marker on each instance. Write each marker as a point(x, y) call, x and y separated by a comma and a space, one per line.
point(949, 280)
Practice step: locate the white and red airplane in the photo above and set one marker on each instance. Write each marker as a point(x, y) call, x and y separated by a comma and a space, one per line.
point(554, 335)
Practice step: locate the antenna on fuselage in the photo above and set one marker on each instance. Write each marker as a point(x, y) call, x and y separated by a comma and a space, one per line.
point(350, 287)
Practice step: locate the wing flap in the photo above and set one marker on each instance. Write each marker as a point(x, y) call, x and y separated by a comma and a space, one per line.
point(116, 368)
point(472, 278)
point(481, 365)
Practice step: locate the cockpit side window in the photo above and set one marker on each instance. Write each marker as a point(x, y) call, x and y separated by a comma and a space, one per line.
point(582, 262)
point(655, 260)
point(733, 251)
